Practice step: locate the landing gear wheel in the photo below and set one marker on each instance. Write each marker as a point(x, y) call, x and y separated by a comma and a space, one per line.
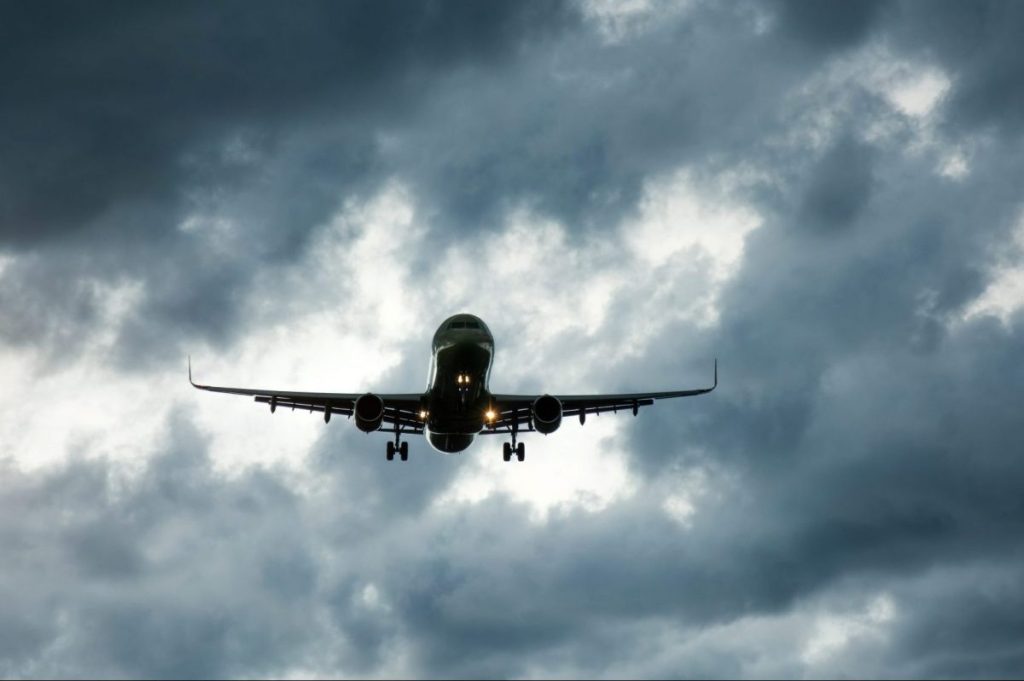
point(506, 451)
point(521, 451)
point(403, 451)
point(391, 451)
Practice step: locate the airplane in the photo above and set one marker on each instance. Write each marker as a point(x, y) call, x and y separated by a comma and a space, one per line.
point(457, 405)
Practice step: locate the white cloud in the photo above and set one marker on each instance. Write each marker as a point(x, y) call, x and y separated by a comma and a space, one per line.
point(833, 631)
point(955, 165)
point(817, 638)
point(548, 299)
point(1005, 293)
point(619, 20)
point(5, 260)
point(1003, 297)
point(686, 491)
point(574, 468)
point(334, 321)
point(301, 334)
point(87, 406)
point(370, 598)
point(914, 90)
point(341, 318)
point(682, 220)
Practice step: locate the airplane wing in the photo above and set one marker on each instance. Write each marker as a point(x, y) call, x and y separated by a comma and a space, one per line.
point(400, 409)
point(514, 410)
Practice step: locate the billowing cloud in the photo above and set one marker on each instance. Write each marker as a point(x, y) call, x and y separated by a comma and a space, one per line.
point(826, 198)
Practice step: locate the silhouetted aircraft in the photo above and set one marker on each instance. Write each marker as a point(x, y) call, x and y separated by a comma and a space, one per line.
point(457, 405)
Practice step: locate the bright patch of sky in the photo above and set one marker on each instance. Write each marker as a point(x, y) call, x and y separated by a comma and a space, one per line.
point(686, 491)
point(911, 88)
point(679, 216)
point(915, 90)
point(833, 632)
point(1004, 295)
point(684, 243)
point(540, 293)
point(305, 337)
point(619, 20)
point(544, 292)
point(574, 468)
point(100, 411)
point(814, 639)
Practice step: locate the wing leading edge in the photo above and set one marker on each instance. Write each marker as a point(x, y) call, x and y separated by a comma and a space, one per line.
point(400, 409)
point(514, 410)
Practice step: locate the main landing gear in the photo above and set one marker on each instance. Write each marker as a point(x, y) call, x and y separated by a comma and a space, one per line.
point(402, 450)
point(398, 446)
point(508, 449)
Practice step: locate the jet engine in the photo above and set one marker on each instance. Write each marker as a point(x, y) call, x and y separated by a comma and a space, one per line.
point(369, 411)
point(547, 414)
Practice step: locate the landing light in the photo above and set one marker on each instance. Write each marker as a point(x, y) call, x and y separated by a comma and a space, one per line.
point(423, 414)
point(490, 414)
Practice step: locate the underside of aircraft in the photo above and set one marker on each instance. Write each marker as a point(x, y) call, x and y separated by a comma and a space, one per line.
point(457, 404)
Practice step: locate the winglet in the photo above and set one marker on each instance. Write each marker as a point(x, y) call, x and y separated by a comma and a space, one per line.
point(190, 371)
point(716, 374)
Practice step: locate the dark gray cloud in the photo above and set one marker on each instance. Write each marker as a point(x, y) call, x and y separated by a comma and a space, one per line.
point(108, 104)
point(113, 568)
point(121, 121)
point(974, 42)
point(839, 188)
point(971, 626)
point(861, 444)
point(828, 26)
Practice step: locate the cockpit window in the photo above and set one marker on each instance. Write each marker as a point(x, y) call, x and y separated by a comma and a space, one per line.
point(464, 325)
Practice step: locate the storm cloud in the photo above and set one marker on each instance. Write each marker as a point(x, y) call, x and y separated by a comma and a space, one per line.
point(825, 197)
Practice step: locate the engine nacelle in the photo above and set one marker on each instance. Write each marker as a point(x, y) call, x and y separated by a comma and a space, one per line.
point(547, 414)
point(369, 412)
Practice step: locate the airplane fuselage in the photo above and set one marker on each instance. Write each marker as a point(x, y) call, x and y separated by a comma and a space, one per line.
point(458, 398)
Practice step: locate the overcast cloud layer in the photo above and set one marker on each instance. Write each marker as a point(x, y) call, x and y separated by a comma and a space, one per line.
point(827, 197)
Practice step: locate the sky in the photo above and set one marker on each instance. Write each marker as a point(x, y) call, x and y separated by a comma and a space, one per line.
point(826, 197)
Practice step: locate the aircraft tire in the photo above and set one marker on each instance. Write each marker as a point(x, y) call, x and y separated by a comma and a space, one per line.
point(404, 451)
point(391, 451)
point(506, 451)
point(521, 451)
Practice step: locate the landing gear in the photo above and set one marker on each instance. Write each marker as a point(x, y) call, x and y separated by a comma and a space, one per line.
point(399, 447)
point(510, 448)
